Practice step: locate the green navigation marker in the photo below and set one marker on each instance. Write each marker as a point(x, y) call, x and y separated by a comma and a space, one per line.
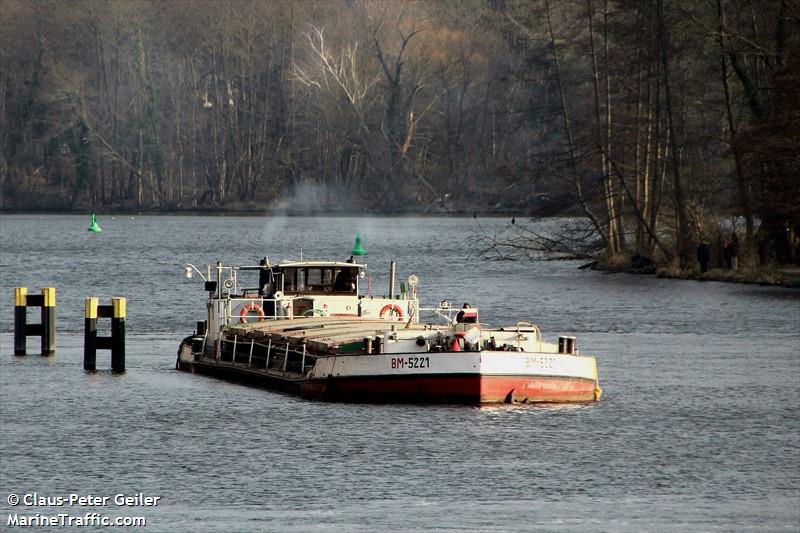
point(94, 227)
point(358, 248)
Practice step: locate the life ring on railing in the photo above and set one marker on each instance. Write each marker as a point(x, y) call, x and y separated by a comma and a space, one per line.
point(392, 311)
point(245, 312)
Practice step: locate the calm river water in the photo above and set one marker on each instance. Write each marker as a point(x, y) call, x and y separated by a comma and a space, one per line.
point(698, 430)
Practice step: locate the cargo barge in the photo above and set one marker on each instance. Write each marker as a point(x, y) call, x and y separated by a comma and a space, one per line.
point(305, 328)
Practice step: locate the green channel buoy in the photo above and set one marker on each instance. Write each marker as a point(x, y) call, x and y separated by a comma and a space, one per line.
point(94, 227)
point(358, 248)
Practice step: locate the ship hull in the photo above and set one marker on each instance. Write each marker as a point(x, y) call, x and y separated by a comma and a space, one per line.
point(474, 379)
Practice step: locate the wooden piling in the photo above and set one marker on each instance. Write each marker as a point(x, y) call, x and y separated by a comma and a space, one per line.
point(48, 321)
point(20, 320)
point(46, 330)
point(118, 336)
point(115, 342)
point(90, 336)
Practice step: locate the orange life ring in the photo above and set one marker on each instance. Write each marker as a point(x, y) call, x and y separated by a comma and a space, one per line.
point(392, 309)
point(244, 313)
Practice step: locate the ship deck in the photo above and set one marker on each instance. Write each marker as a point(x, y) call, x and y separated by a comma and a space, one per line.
point(329, 335)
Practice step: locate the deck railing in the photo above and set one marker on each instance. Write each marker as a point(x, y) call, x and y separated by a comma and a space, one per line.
point(270, 356)
point(283, 309)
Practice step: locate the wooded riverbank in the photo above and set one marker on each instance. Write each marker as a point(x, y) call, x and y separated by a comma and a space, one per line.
point(780, 275)
point(646, 117)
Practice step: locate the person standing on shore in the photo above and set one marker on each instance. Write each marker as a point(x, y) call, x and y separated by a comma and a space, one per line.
point(726, 253)
point(703, 256)
point(734, 251)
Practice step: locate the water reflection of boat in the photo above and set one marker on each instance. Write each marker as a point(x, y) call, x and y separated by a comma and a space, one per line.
point(305, 327)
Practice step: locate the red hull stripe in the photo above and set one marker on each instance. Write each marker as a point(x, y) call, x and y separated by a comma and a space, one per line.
point(455, 388)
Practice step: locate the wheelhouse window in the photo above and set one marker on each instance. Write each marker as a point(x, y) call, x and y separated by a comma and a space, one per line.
point(290, 280)
point(320, 280)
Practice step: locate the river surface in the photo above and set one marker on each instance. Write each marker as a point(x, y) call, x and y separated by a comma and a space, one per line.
point(698, 429)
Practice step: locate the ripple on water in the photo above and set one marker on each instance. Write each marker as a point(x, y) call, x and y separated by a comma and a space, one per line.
point(699, 427)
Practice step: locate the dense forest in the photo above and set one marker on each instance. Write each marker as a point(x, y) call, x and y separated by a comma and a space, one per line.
point(649, 119)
